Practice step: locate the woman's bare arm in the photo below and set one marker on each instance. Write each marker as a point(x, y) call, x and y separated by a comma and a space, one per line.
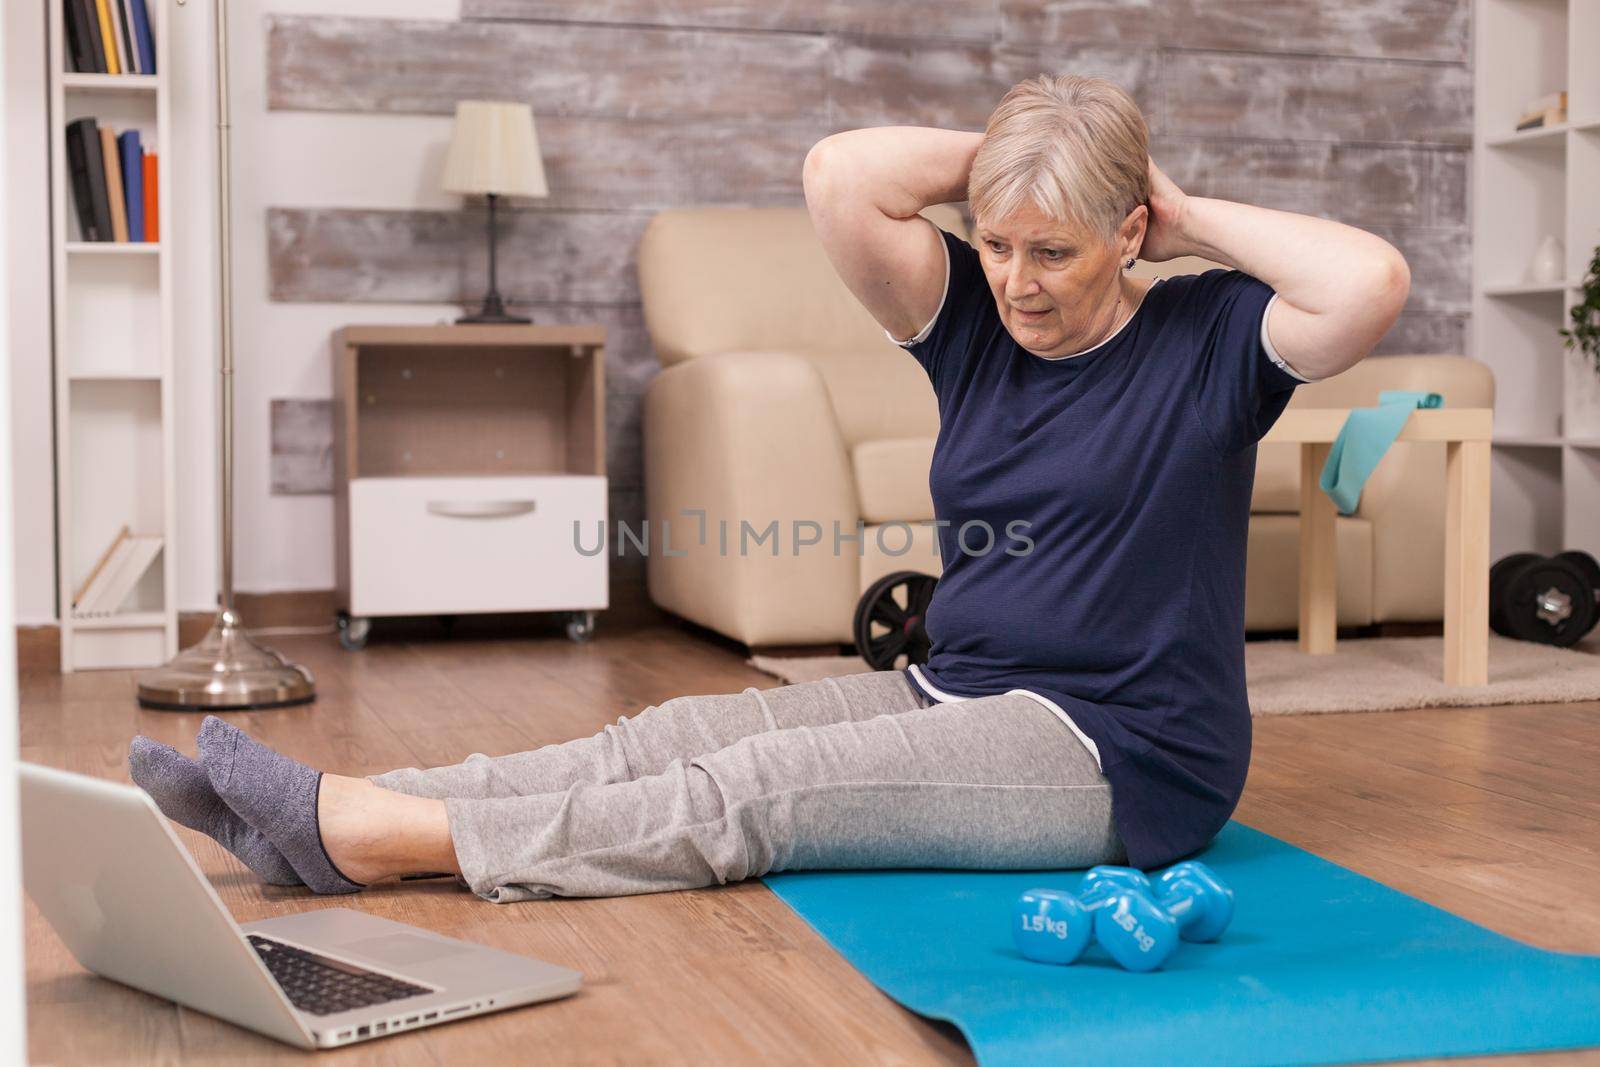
point(864, 189)
point(903, 168)
point(1339, 288)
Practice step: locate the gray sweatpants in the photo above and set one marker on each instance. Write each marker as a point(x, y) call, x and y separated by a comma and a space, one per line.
point(861, 770)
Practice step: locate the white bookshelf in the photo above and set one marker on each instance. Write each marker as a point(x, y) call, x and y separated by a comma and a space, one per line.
point(1546, 471)
point(113, 361)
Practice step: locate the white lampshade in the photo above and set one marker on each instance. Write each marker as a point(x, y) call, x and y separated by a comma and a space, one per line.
point(494, 149)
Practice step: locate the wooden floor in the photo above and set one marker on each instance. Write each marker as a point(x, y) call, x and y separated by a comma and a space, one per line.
point(1492, 813)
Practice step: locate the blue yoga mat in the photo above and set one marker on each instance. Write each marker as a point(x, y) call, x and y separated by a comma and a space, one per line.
point(1320, 965)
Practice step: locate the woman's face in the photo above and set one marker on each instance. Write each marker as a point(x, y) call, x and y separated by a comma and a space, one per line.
point(1063, 272)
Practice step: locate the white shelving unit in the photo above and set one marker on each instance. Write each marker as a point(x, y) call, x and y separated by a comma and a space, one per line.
point(113, 358)
point(1546, 473)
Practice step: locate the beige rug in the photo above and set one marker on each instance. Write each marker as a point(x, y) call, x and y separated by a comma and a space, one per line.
point(1367, 674)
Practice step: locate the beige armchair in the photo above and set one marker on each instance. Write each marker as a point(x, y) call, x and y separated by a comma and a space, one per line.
point(783, 423)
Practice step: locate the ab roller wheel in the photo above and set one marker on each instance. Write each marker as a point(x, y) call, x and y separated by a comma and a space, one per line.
point(1552, 600)
point(889, 619)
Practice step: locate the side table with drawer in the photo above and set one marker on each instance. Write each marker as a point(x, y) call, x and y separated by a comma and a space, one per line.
point(469, 472)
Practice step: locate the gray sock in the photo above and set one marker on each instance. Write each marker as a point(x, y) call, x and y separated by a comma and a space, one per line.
point(274, 794)
point(183, 792)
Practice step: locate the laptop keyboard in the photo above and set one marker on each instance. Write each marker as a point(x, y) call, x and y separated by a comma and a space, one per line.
point(322, 986)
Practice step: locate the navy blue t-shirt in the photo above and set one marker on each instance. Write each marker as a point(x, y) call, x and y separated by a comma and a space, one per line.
point(1096, 509)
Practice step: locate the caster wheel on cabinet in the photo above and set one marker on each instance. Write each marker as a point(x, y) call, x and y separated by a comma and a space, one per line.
point(353, 632)
point(580, 625)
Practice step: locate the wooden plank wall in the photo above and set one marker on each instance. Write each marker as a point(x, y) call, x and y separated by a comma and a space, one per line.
point(1358, 110)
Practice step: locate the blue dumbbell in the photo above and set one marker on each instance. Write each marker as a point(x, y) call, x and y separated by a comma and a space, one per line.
point(1139, 933)
point(1197, 898)
point(1113, 906)
point(1055, 926)
point(1102, 879)
point(1190, 891)
point(1051, 926)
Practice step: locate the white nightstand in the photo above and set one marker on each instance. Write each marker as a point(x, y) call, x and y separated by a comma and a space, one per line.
point(469, 472)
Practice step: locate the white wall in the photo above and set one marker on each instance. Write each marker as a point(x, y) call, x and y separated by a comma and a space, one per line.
point(308, 159)
point(27, 160)
point(280, 159)
point(13, 1029)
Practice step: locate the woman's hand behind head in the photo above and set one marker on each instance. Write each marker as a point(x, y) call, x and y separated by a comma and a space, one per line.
point(1163, 235)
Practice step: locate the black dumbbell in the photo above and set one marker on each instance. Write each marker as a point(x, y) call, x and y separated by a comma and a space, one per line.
point(1552, 600)
point(1585, 563)
point(1498, 577)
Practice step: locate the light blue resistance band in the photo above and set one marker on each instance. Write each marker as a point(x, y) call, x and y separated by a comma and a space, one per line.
point(1363, 439)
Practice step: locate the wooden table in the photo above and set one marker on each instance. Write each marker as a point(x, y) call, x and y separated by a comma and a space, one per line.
point(1465, 432)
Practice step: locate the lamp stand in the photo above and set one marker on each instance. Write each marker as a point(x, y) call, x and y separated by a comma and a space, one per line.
point(494, 309)
point(226, 670)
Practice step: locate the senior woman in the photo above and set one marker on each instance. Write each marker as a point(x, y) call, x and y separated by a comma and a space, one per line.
point(1084, 701)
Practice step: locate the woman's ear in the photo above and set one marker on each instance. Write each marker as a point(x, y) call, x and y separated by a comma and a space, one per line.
point(1130, 235)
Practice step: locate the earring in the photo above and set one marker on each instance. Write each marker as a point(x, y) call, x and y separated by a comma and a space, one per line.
point(1129, 264)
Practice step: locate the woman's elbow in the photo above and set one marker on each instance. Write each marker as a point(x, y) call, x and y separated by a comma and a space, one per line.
point(1372, 308)
point(811, 169)
point(1393, 285)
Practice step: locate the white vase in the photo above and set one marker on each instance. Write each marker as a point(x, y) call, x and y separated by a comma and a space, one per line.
point(1548, 265)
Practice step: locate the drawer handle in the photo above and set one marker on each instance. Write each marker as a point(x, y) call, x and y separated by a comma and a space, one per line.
point(479, 509)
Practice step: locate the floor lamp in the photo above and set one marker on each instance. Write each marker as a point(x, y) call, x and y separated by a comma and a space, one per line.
point(226, 670)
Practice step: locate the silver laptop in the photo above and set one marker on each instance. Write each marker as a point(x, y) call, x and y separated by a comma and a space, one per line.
point(105, 868)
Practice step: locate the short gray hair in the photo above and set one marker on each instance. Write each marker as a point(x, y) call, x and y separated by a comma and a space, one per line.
point(1077, 146)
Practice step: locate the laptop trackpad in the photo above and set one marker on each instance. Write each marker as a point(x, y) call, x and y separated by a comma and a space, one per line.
point(405, 949)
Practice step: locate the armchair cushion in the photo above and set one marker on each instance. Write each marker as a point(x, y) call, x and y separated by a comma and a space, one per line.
point(728, 279)
point(1272, 572)
point(892, 479)
point(877, 393)
point(748, 439)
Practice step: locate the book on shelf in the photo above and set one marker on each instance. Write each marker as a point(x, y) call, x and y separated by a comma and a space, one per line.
point(1537, 120)
point(119, 207)
point(130, 55)
point(133, 182)
point(115, 183)
point(114, 575)
point(89, 27)
point(102, 15)
point(152, 231)
point(110, 36)
point(144, 38)
point(1548, 110)
point(88, 180)
point(100, 565)
point(80, 50)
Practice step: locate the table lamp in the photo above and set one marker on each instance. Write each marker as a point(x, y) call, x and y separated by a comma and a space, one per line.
point(494, 152)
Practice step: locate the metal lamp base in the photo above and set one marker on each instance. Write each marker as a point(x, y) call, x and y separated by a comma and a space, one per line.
point(480, 317)
point(493, 311)
point(226, 671)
